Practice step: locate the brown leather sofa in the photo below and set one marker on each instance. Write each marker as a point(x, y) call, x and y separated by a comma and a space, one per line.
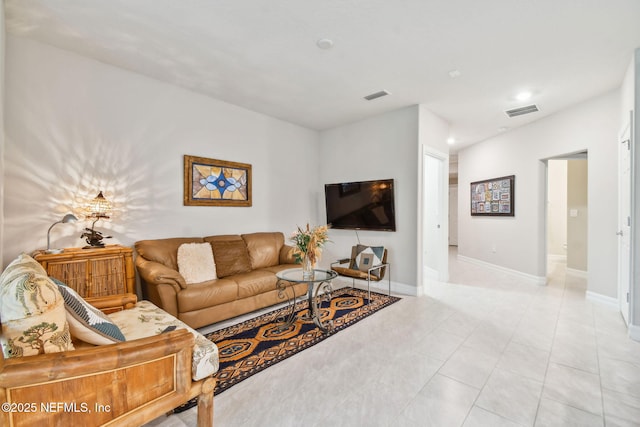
point(246, 268)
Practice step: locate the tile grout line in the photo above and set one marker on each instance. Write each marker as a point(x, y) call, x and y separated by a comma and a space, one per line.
point(555, 329)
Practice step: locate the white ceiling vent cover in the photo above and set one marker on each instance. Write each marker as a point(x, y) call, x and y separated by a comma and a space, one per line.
point(522, 110)
point(377, 95)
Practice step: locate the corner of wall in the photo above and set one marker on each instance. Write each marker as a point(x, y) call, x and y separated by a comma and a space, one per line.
point(2, 180)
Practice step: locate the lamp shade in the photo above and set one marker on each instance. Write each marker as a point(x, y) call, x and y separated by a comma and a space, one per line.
point(99, 207)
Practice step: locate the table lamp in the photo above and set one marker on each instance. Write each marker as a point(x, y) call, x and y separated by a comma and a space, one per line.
point(66, 219)
point(98, 208)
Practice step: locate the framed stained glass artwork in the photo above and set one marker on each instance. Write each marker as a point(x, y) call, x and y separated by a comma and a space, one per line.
point(493, 197)
point(211, 182)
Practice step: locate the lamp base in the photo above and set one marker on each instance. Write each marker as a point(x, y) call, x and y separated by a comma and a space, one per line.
point(93, 247)
point(53, 251)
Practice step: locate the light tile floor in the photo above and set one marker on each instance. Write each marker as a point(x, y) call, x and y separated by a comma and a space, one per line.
point(485, 349)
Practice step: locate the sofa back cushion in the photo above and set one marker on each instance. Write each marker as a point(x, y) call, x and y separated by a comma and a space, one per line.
point(230, 254)
point(264, 248)
point(164, 251)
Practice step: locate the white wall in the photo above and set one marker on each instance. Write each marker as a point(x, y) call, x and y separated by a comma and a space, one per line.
point(577, 226)
point(631, 102)
point(433, 246)
point(2, 179)
point(75, 126)
point(520, 241)
point(557, 208)
point(380, 147)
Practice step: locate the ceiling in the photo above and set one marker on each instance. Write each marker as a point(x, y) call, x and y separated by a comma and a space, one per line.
point(262, 55)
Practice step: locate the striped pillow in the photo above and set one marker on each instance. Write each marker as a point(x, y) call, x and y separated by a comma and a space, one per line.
point(86, 322)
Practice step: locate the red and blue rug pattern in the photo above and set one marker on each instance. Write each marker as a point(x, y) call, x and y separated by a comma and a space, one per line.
point(252, 346)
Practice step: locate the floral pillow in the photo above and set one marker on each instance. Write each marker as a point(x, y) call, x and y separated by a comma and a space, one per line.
point(31, 311)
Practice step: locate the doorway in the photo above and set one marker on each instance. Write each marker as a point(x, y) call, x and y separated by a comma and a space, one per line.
point(435, 229)
point(567, 213)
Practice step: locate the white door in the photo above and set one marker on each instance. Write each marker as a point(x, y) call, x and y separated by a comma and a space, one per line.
point(453, 215)
point(435, 223)
point(624, 221)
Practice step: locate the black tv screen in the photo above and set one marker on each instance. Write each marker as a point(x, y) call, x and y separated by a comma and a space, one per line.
point(363, 205)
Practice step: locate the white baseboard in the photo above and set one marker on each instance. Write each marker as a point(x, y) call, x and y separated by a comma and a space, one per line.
point(538, 280)
point(634, 332)
point(603, 299)
point(381, 286)
point(578, 273)
point(429, 274)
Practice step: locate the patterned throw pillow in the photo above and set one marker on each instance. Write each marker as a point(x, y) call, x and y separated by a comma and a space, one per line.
point(195, 262)
point(367, 257)
point(86, 322)
point(31, 311)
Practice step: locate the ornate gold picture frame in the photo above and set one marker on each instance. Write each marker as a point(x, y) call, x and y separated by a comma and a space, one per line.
point(211, 182)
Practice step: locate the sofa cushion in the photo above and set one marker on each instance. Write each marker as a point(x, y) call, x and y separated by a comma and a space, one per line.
point(207, 294)
point(164, 251)
point(195, 262)
point(255, 282)
point(287, 255)
point(86, 322)
point(31, 311)
point(231, 257)
point(280, 267)
point(264, 248)
point(145, 320)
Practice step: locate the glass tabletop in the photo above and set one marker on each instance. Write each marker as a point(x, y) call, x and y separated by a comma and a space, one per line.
point(295, 275)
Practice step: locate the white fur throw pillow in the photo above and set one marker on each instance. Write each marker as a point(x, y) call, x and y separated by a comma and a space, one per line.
point(195, 262)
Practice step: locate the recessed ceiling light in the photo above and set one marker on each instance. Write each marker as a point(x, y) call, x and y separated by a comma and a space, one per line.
point(454, 74)
point(451, 140)
point(324, 44)
point(523, 96)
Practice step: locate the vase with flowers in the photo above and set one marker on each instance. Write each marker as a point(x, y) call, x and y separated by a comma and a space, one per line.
point(308, 247)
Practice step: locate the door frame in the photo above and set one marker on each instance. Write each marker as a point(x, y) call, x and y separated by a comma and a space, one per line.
point(625, 293)
point(443, 259)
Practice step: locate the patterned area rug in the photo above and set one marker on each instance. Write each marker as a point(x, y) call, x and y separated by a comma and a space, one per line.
point(252, 346)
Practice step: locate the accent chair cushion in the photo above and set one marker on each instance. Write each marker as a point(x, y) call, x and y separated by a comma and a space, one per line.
point(231, 257)
point(195, 263)
point(365, 257)
point(31, 311)
point(86, 322)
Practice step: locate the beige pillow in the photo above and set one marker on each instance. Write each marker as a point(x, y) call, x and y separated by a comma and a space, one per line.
point(195, 262)
point(31, 311)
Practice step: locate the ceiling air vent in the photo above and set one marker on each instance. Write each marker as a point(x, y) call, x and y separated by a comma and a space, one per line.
point(377, 95)
point(522, 110)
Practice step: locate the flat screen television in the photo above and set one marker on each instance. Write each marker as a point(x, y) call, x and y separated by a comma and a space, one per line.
point(362, 205)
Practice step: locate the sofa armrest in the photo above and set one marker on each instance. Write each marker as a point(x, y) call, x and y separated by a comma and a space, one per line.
point(101, 384)
point(155, 273)
point(112, 303)
point(160, 284)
